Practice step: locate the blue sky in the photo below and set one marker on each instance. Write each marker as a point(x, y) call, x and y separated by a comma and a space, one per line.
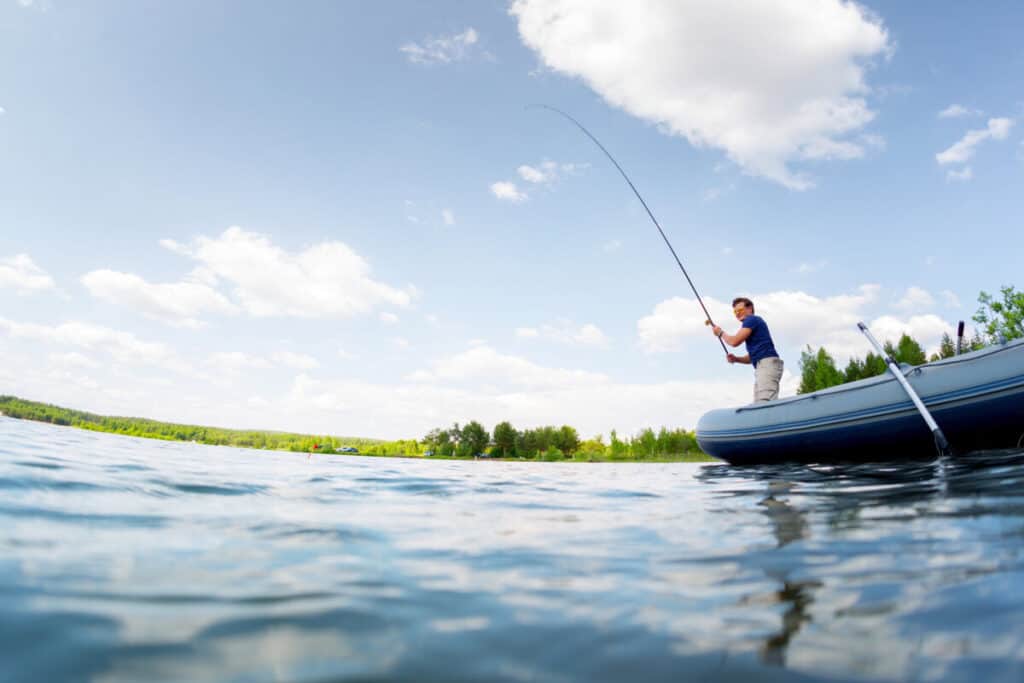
point(340, 217)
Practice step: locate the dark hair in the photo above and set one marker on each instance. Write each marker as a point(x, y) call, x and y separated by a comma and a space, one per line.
point(745, 301)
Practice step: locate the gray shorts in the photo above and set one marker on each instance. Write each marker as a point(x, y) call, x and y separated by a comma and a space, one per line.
point(767, 375)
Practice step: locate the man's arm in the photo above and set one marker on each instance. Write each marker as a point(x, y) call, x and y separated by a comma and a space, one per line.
point(732, 358)
point(732, 339)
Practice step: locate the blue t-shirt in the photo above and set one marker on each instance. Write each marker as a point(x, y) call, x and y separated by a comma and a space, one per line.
point(759, 343)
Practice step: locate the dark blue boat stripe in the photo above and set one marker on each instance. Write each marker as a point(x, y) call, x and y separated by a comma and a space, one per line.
point(933, 402)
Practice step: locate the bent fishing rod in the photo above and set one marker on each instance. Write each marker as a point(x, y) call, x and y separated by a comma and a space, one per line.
point(646, 208)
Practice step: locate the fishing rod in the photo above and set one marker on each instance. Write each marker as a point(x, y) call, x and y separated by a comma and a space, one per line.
point(647, 208)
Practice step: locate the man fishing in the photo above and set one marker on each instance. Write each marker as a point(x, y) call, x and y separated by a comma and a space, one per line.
point(760, 349)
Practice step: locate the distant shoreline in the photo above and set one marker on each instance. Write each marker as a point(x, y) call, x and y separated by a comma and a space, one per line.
point(21, 409)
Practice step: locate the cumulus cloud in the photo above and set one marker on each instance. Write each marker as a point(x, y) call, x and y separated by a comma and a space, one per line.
point(121, 346)
point(21, 274)
point(508, 191)
point(238, 361)
point(177, 303)
point(963, 149)
point(72, 359)
point(484, 364)
point(296, 361)
point(566, 332)
point(322, 281)
point(484, 384)
point(955, 111)
point(915, 298)
point(442, 50)
point(770, 83)
point(797, 319)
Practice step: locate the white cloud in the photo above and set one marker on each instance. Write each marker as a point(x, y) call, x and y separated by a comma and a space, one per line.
point(177, 303)
point(686, 66)
point(388, 318)
point(72, 359)
point(547, 171)
point(297, 361)
point(400, 342)
point(442, 50)
point(325, 280)
point(927, 329)
point(796, 320)
point(566, 332)
point(727, 251)
point(121, 346)
point(484, 364)
point(507, 190)
point(2, 111)
point(484, 384)
point(951, 299)
point(346, 355)
point(531, 174)
point(236, 361)
point(962, 176)
point(21, 274)
point(448, 217)
point(963, 149)
point(955, 111)
point(915, 298)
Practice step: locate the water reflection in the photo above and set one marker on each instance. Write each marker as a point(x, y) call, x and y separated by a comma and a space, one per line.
point(788, 525)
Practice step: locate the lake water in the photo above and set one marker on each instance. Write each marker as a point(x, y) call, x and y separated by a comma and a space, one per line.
point(126, 559)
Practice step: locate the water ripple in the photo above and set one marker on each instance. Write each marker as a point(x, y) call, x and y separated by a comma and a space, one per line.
point(129, 560)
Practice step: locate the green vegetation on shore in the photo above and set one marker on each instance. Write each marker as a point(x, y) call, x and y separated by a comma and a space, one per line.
point(546, 443)
point(1000, 320)
point(561, 443)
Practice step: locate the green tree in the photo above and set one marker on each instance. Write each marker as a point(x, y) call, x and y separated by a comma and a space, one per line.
point(473, 439)
point(909, 351)
point(817, 371)
point(568, 439)
point(504, 439)
point(591, 449)
point(947, 349)
point(1001, 318)
point(618, 449)
point(645, 443)
point(854, 370)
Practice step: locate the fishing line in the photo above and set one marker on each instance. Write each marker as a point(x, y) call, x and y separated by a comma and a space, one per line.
point(646, 208)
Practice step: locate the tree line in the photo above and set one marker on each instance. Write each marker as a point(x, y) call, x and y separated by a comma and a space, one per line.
point(559, 443)
point(1000, 319)
point(12, 406)
point(469, 440)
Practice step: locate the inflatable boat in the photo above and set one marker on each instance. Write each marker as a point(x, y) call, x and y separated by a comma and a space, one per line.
point(976, 398)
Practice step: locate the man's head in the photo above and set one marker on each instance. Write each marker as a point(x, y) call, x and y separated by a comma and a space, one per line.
point(742, 307)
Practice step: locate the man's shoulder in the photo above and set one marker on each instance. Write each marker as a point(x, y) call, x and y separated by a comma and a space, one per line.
point(753, 321)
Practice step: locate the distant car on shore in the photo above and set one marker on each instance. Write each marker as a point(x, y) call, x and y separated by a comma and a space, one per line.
point(348, 449)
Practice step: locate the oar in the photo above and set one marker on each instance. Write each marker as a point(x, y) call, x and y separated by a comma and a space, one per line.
point(941, 444)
